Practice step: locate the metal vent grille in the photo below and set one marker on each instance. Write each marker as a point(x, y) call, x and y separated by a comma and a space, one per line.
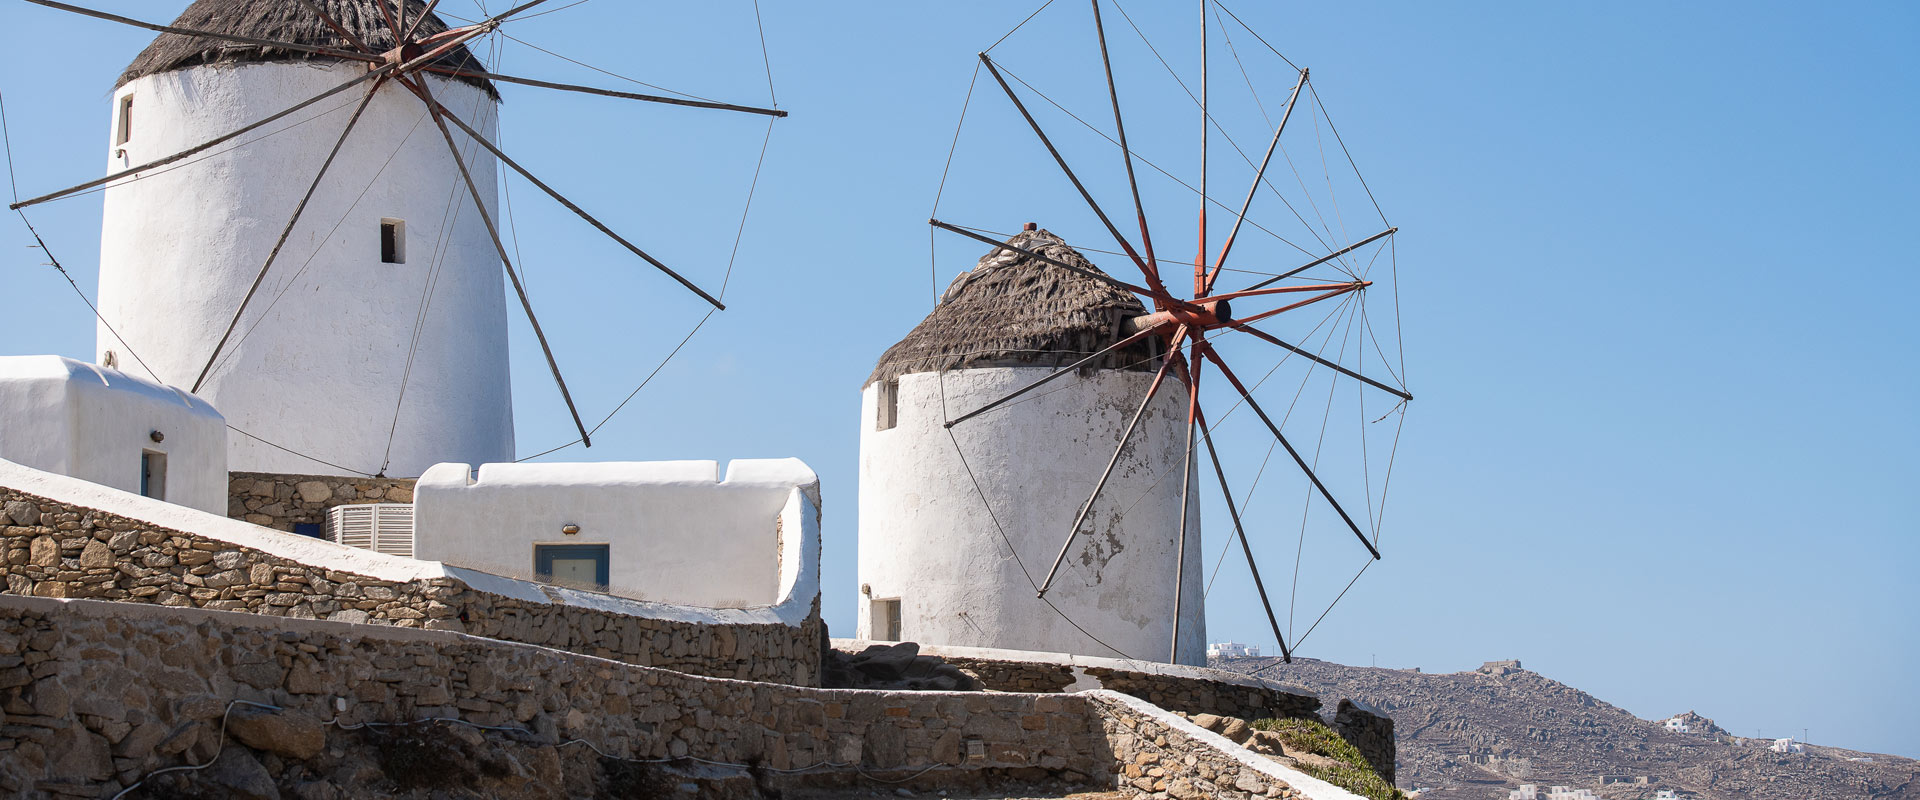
point(380, 527)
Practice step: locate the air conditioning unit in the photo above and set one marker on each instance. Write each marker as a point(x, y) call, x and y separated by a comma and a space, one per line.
point(380, 527)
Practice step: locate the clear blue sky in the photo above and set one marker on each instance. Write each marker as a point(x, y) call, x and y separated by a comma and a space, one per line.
point(1653, 267)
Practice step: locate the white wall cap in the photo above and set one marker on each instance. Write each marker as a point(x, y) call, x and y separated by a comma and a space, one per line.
point(744, 473)
point(71, 372)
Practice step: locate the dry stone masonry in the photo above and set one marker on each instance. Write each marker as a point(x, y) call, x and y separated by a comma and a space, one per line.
point(98, 695)
point(62, 551)
point(278, 501)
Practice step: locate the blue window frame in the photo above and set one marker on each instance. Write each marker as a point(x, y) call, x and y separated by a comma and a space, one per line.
point(578, 565)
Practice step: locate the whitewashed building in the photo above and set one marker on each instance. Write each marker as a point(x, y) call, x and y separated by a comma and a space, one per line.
point(340, 358)
point(1233, 650)
point(1678, 725)
point(958, 525)
point(102, 425)
point(662, 531)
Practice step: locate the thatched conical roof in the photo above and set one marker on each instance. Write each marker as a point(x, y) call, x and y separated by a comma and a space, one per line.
point(1012, 310)
point(285, 21)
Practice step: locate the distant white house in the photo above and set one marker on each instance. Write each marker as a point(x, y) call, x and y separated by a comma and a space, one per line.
point(1666, 794)
point(1532, 792)
point(1679, 725)
point(102, 425)
point(1787, 745)
point(1232, 650)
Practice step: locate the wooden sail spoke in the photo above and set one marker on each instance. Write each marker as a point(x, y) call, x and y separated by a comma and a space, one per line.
point(1297, 459)
point(1085, 273)
point(1258, 175)
point(568, 87)
point(258, 42)
point(438, 114)
point(281, 242)
point(209, 144)
point(1144, 333)
point(1152, 276)
point(345, 35)
point(1153, 389)
point(505, 159)
point(1186, 496)
point(424, 13)
point(1126, 154)
point(1241, 325)
point(1344, 288)
point(1240, 532)
point(1318, 287)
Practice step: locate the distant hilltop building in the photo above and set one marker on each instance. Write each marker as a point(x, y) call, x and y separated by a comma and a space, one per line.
point(1679, 725)
point(1787, 745)
point(1532, 792)
point(1233, 650)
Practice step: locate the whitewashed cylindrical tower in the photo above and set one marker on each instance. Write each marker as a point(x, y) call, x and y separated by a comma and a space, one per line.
point(957, 525)
point(377, 342)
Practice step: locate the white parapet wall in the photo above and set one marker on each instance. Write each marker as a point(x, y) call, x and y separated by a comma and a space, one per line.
point(667, 531)
point(108, 427)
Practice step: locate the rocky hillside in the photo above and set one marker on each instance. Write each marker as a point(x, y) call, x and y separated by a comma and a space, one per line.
point(1479, 734)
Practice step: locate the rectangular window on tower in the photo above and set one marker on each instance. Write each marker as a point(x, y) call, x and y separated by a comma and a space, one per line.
point(153, 474)
point(886, 620)
point(393, 241)
point(888, 413)
point(123, 125)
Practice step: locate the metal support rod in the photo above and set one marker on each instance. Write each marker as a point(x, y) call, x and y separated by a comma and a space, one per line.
point(1186, 497)
point(568, 87)
point(1126, 154)
point(1258, 174)
point(1323, 259)
point(1240, 531)
point(285, 232)
point(1058, 159)
point(300, 48)
point(580, 211)
point(434, 110)
point(1263, 335)
point(1251, 403)
point(1173, 355)
point(1142, 334)
point(204, 146)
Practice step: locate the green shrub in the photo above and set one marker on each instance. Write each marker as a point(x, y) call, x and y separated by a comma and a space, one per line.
point(1354, 773)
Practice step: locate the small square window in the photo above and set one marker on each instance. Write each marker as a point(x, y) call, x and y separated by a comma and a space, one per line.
point(887, 415)
point(123, 126)
point(393, 241)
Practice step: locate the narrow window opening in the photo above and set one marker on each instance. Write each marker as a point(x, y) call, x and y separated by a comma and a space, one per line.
point(888, 414)
point(393, 241)
point(123, 128)
point(886, 620)
point(153, 474)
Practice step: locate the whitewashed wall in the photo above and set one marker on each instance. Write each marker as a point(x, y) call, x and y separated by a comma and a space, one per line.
point(927, 538)
point(676, 533)
point(322, 372)
point(93, 423)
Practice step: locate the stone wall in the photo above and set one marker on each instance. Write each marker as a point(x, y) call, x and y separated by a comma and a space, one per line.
point(99, 695)
point(1198, 695)
point(102, 693)
point(66, 551)
point(1370, 731)
point(278, 501)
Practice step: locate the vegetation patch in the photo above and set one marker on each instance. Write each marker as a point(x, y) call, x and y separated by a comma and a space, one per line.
point(1353, 773)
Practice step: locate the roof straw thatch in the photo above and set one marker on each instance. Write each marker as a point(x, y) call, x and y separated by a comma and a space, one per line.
point(286, 21)
point(1015, 311)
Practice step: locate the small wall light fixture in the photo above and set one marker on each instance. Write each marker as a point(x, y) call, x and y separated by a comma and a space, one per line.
point(569, 529)
point(157, 436)
point(866, 589)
